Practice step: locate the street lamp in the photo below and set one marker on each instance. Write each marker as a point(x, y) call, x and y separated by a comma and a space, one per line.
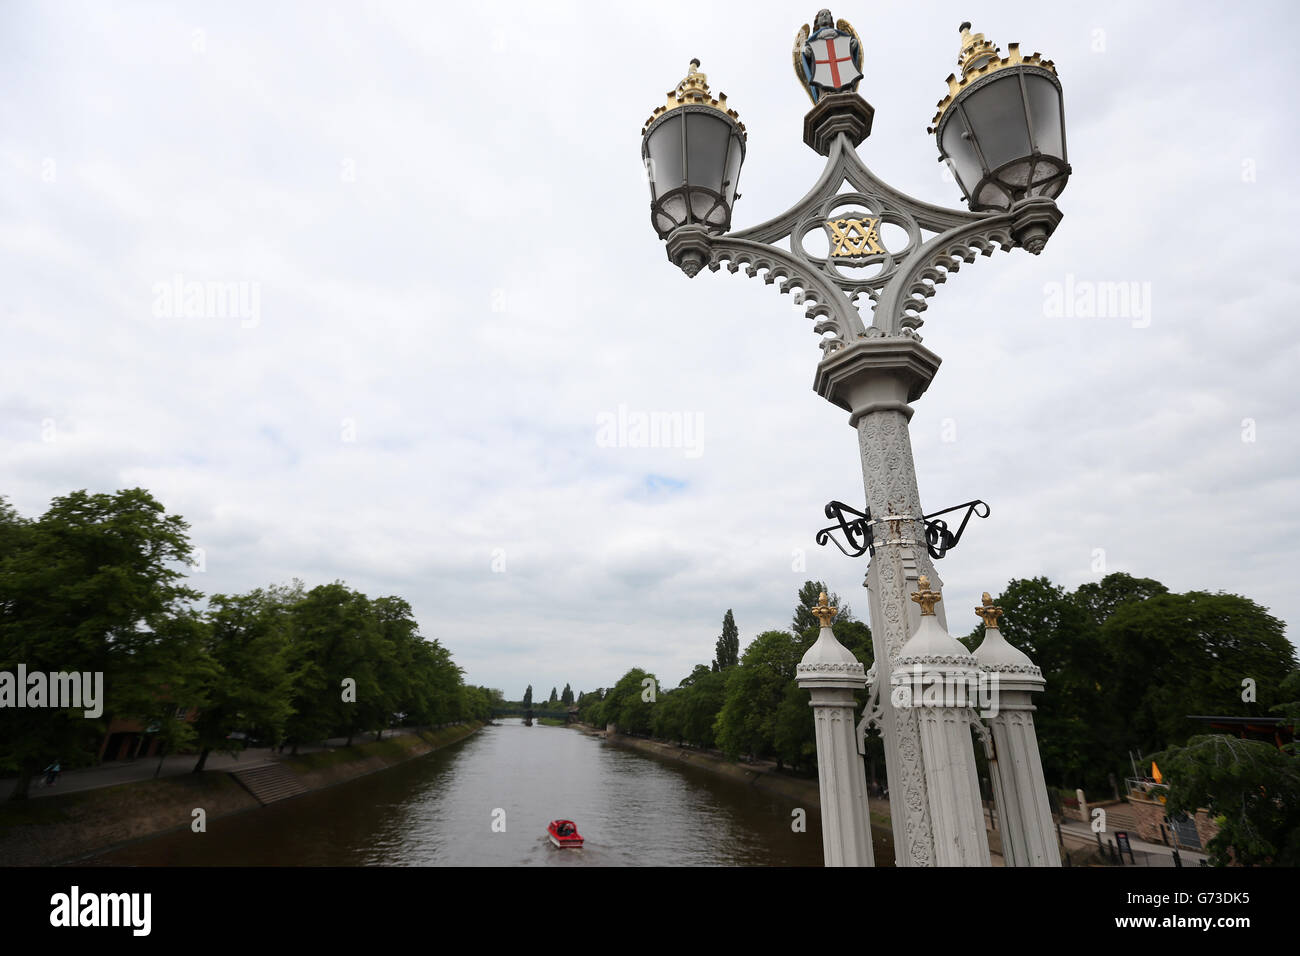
point(692, 148)
point(1001, 128)
point(1001, 131)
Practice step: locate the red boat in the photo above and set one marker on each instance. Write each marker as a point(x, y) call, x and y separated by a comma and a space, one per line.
point(564, 833)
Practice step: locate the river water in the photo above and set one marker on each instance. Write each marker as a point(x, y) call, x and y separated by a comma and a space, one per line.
point(440, 810)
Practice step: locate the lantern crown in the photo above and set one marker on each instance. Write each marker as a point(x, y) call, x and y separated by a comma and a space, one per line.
point(979, 58)
point(693, 90)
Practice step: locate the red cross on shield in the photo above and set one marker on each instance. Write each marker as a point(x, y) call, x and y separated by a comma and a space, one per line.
point(833, 67)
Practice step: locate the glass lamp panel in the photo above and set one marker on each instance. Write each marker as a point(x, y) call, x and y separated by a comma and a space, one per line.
point(734, 159)
point(961, 153)
point(706, 149)
point(675, 208)
point(996, 113)
point(1017, 175)
point(665, 147)
point(993, 195)
point(702, 204)
point(1045, 113)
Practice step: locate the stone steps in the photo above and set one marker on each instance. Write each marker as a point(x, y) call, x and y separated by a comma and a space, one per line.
point(269, 783)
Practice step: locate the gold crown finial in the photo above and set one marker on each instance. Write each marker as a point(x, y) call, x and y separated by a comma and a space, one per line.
point(975, 50)
point(695, 83)
point(925, 597)
point(987, 612)
point(693, 90)
point(823, 611)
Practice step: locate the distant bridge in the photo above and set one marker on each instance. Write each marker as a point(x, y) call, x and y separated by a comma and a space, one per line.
point(532, 713)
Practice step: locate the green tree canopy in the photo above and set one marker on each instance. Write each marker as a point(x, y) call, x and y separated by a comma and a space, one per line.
point(96, 584)
point(727, 649)
point(1252, 789)
point(809, 595)
point(746, 723)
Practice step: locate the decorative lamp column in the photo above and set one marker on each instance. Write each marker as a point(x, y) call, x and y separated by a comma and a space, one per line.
point(934, 677)
point(1028, 834)
point(1001, 128)
point(831, 672)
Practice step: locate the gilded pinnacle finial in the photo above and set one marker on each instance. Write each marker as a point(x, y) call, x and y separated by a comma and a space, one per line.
point(823, 611)
point(979, 59)
point(987, 612)
point(975, 50)
point(925, 597)
point(693, 90)
point(695, 81)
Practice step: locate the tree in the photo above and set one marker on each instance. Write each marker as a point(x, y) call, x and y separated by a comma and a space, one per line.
point(630, 703)
point(337, 656)
point(666, 718)
point(809, 596)
point(94, 585)
point(727, 648)
point(528, 697)
point(754, 691)
point(1175, 655)
point(1100, 599)
point(249, 686)
point(567, 696)
point(554, 697)
point(1252, 790)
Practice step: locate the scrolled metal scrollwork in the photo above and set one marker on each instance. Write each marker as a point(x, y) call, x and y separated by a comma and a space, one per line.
point(938, 539)
point(860, 538)
point(857, 532)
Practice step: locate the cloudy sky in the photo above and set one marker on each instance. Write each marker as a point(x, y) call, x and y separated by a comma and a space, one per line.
point(438, 229)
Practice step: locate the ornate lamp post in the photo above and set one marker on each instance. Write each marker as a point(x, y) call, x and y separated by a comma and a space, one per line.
point(1001, 130)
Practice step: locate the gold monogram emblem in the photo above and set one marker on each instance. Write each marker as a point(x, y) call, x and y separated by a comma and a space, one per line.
point(854, 237)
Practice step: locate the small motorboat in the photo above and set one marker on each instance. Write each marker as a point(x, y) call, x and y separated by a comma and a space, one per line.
point(564, 833)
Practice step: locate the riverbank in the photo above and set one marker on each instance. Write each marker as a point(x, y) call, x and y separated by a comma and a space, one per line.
point(804, 793)
point(70, 827)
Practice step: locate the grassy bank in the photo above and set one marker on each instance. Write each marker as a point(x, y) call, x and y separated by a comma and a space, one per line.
point(58, 829)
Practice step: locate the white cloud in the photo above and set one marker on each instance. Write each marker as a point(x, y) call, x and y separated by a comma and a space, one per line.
point(447, 223)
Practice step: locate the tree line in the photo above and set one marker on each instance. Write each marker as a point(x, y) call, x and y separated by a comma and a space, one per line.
point(558, 702)
point(1127, 665)
point(98, 584)
point(741, 703)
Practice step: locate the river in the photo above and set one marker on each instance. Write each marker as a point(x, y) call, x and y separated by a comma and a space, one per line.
point(440, 810)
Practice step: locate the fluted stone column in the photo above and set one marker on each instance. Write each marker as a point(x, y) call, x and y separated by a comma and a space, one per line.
point(874, 379)
point(936, 679)
point(831, 672)
point(1028, 834)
